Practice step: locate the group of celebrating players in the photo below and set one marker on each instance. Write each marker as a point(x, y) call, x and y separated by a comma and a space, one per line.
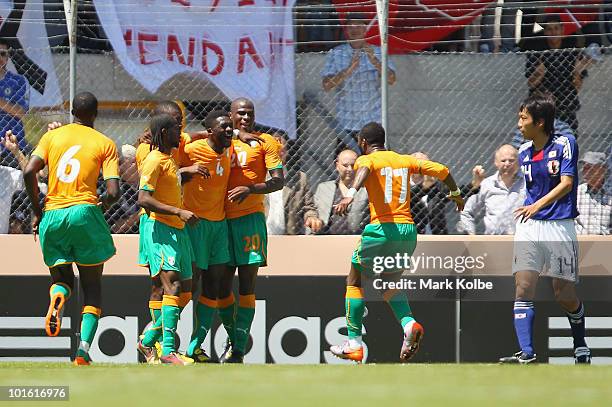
point(202, 199)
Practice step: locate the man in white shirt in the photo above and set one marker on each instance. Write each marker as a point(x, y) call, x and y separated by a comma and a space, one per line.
point(594, 200)
point(499, 195)
point(11, 179)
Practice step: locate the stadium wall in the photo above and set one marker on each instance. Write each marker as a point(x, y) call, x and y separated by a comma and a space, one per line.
point(300, 309)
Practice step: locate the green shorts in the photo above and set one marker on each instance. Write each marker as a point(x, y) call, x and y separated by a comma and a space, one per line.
point(209, 242)
point(144, 237)
point(76, 234)
point(169, 250)
point(384, 247)
point(248, 240)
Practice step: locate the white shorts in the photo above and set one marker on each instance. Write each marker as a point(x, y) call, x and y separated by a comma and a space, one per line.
point(549, 247)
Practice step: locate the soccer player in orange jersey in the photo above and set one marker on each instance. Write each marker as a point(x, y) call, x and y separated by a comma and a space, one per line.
point(391, 232)
point(72, 227)
point(246, 223)
point(169, 251)
point(206, 198)
point(154, 331)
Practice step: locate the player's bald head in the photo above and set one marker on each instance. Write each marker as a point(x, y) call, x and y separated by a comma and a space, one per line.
point(85, 106)
point(241, 102)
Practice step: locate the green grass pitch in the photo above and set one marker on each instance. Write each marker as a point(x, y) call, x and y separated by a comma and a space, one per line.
point(317, 385)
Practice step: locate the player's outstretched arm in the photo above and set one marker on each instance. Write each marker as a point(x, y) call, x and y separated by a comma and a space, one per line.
point(275, 183)
point(146, 201)
point(563, 188)
point(455, 194)
point(29, 177)
point(342, 207)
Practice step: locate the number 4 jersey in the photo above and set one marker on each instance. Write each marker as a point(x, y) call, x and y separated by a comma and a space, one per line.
point(543, 170)
point(75, 154)
point(388, 184)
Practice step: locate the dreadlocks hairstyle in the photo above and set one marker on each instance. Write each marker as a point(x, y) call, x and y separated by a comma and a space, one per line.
point(157, 124)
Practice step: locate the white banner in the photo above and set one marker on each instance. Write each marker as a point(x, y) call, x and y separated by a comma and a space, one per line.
point(244, 47)
point(23, 27)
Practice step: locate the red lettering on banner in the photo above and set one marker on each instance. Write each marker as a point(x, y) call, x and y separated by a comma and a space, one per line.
point(142, 38)
point(127, 37)
point(214, 5)
point(246, 46)
point(174, 48)
point(242, 3)
point(208, 45)
point(185, 3)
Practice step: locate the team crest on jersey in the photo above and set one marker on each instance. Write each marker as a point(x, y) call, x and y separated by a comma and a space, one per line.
point(8, 91)
point(552, 154)
point(553, 167)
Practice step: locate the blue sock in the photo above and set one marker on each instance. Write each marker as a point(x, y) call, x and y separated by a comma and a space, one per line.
point(576, 320)
point(524, 314)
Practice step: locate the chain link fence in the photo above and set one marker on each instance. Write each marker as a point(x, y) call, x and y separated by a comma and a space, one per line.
point(458, 108)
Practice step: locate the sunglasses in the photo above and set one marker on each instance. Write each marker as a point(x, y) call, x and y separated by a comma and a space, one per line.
point(3, 52)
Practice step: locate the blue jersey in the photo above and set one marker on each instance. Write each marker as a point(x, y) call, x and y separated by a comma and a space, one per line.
point(543, 170)
point(14, 89)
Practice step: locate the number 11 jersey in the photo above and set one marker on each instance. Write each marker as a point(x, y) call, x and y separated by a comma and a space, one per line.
point(75, 154)
point(388, 184)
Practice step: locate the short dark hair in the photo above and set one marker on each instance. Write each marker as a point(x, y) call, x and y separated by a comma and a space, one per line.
point(541, 107)
point(552, 18)
point(209, 122)
point(373, 133)
point(157, 124)
point(166, 106)
point(85, 104)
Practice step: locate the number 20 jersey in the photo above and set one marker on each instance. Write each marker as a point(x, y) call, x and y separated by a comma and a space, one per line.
point(75, 154)
point(543, 170)
point(388, 184)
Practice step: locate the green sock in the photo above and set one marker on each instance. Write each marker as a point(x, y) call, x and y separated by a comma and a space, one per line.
point(227, 313)
point(401, 309)
point(89, 325)
point(354, 306)
point(60, 288)
point(170, 317)
point(205, 312)
point(244, 320)
point(154, 333)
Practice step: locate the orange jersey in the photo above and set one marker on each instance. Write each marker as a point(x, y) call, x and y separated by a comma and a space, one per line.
point(250, 165)
point(159, 175)
point(75, 154)
point(178, 154)
point(388, 183)
point(206, 197)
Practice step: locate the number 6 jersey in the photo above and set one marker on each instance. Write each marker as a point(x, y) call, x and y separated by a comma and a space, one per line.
point(75, 154)
point(388, 184)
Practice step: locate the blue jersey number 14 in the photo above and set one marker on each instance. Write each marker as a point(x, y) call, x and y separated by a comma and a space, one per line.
point(526, 169)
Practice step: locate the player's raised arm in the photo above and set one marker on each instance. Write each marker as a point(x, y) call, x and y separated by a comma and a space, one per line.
point(440, 171)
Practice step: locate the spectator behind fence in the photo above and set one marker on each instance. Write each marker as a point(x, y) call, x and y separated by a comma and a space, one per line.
point(558, 71)
point(353, 70)
point(330, 193)
point(11, 179)
point(499, 195)
point(123, 216)
point(594, 201)
point(14, 104)
point(428, 199)
point(291, 210)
